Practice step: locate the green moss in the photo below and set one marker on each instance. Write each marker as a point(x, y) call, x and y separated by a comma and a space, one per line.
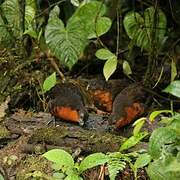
point(34, 168)
point(4, 132)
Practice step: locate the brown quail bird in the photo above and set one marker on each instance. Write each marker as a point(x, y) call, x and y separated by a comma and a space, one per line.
point(66, 103)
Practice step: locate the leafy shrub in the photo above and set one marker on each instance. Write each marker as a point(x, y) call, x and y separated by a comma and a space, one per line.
point(68, 42)
point(140, 28)
point(65, 166)
point(11, 11)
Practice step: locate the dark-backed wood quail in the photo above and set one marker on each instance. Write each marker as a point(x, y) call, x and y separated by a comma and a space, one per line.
point(66, 103)
point(128, 105)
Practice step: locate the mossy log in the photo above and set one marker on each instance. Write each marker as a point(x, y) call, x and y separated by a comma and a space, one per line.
point(65, 135)
point(75, 137)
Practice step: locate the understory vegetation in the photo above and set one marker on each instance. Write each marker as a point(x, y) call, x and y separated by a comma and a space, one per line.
point(45, 42)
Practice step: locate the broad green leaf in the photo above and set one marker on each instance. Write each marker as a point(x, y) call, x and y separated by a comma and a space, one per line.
point(49, 82)
point(29, 16)
point(164, 168)
point(73, 177)
point(90, 14)
point(58, 176)
point(126, 68)
point(109, 67)
point(173, 88)
point(66, 43)
point(154, 114)
point(1, 177)
point(175, 124)
point(160, 138)
point(92, 161)
point(60, 157)
point(142, 160)
point(138, 125)
point(133, 140)
point(104, 54)
point(87, 14)
point(139, 29)
point(102, 26)
point(174, 166)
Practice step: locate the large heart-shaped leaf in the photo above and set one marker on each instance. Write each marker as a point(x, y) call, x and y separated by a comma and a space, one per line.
point(100, 27)
point(87, 13)
point(139, 28)
point(66, 43)
point(91, 16)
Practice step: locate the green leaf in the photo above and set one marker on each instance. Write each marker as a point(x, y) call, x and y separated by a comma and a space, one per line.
point(66, 43)
point(88, 13)
point(104, 54)
point(29, 16)
point(175, 124)
point(126, 68)
point(58, 175)
point(92, 161)
point(73, 177)
point(49, 82)
point(161, 138)
point(174, 166)
point(138, 125)
point(31, 33)
point(139, 29)
point(173, 88)
point(102, 26)
point(133, 140)
point(173, 70)
point(142, 161)
point(164, 168)
point(114, 166)
point(1, 177)
point(60, 157)
point(75, 3)
point(154, 114)
point(109, 67)
point(11, 10)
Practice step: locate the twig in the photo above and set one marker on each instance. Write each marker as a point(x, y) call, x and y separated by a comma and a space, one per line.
point(55, 66)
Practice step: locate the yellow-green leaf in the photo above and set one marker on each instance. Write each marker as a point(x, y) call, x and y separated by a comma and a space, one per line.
point(126, 68)
point(154, 114)
point(173, 88)
point(49, 82)
point(173, 70)
point(104, 54)
point(109, 67)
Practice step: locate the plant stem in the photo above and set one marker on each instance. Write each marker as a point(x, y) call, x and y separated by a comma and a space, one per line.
point(22, 4)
